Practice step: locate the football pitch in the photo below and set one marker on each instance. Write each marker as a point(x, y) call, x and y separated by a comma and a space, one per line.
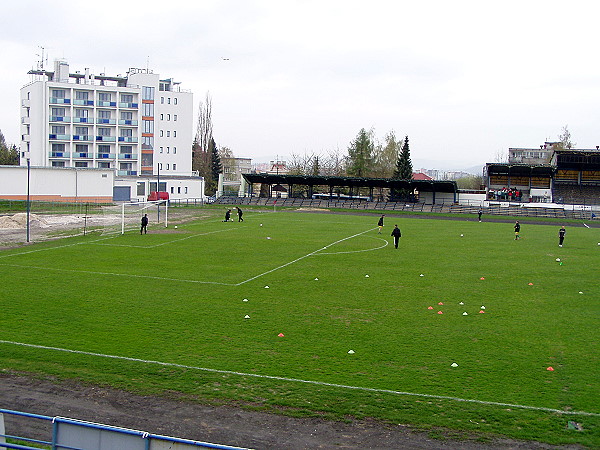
point(461, 327)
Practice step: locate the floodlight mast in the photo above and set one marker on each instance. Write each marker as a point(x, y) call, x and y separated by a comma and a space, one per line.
point(28, 197)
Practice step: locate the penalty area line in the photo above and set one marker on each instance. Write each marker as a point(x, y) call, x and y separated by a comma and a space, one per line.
point(298, 380)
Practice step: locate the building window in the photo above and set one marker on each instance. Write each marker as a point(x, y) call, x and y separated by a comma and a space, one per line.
point(126, 115)
point(174, 117)
point(103, 131)
point(160, 166)
point(58, 112)
point(174, 150)
point(162, 117)
point(127, 98)
point(174, 166)
point(148, 126)
point(81, 95)
point(126, 132)
point(104, 96)
point(148, 109)
point(174, 133)
point(185, 189)
point(81, 113)
point(81, 131)
point(104, 165)
point(172, 190)
point(161, 133)
point(103, 148)
point(168, 133)
point(167, 166)
point(81, 148)
point(147, 143)
point(58, 93)
point(175, 101)
point(103, 114)
point(81, 164)
point(179, 187)
point(168, 100)
point(58, 164)
point(58, 129)
point(147, 93)
point(161, 150)
point(141, 188)
point(168, 116)
point(162, 100)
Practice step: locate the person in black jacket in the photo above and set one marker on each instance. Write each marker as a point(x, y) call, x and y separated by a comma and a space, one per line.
point(380, 223)
point(396, 233)
point(144, 228)
point(227, 215)
point(517, 230)
point(561, 235)
point(239, 212)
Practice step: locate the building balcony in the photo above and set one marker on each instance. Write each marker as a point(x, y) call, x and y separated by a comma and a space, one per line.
point(128, 155)
point(81, 137)
point(85, 155)
point(101, 103)
point(105, 156)
point(60, 119)
point(126, 172)
point(107, 121)
point(83, 102)
point(25, 120)
point(106, 138)
point(60, 101)
point(60, 154)
point(26, 137)
point(128, 139)
point(128, 122)
point(25, 103)
point(83, 120)
point(128, 105)
point(59, 137)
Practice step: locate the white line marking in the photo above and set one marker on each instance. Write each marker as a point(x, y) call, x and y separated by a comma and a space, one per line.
point(301, 258)
point(298, 380)
point(386, 243)
point(162, 243)
point(58, 269)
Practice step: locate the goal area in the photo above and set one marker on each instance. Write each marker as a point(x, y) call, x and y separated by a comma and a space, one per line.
point(127, 216)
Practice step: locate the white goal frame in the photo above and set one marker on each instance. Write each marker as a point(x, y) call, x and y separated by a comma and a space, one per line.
point(143, 206)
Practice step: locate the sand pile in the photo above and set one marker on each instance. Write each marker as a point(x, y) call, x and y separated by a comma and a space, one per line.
point(19, 220)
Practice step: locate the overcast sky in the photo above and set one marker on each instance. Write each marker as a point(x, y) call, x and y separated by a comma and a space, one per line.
point(465, 80)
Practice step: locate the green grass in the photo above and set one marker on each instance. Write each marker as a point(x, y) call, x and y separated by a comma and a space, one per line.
point(178, 298)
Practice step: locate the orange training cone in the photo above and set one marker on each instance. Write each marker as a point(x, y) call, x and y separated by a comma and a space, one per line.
point(430, 307)
point(551, 369)
point(280, 335)
point(439, 312)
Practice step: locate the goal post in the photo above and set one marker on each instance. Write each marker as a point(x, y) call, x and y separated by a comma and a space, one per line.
point(132, 212)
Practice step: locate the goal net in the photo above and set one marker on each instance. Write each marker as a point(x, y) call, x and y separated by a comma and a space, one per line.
point(126, 217)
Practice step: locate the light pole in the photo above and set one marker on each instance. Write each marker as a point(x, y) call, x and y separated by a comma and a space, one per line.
point(158, 191)
point(28, 201)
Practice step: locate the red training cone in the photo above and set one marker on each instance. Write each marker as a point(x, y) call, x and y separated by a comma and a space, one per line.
point(530, 284)
point(441, 303)
point(439, 312)
point(430, 307)
point(280, 335)
point(482, 312)
point(482, 278)
point(551, 369)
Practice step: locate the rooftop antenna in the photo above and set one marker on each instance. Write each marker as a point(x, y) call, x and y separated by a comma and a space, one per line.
point(43, 58)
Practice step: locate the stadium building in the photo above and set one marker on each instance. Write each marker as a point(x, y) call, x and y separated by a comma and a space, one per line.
point(547, 175)
point(138, 126)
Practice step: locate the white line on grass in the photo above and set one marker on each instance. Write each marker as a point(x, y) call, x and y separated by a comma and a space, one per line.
point(298, 380)
point(91, 272)
point(162, 243)
point(357, 251)
point(301, 258)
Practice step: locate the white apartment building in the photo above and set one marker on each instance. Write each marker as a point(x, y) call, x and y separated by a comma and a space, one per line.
point(139, 125)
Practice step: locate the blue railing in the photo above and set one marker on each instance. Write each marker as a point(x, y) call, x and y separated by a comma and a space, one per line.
point(77, 434)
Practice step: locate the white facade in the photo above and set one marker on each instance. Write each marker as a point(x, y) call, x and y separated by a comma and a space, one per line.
point(135, 125)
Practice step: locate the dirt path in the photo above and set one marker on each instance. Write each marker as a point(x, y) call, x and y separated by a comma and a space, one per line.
point(222, 424)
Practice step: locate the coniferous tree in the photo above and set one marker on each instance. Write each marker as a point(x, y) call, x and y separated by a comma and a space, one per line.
point(404, 171)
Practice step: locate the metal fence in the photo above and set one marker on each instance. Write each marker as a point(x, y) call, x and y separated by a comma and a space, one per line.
point(71, 434)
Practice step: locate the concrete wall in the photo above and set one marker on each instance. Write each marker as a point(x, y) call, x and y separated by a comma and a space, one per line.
point(52, 184)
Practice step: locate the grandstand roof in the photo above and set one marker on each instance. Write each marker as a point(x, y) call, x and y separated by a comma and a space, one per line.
point(520, 169)
point(390, 183)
